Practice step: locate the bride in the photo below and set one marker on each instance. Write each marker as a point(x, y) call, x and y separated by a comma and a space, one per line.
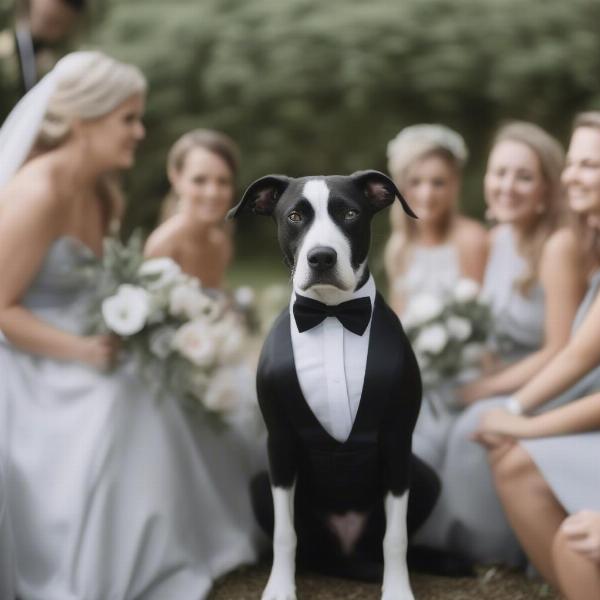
point(112, 493)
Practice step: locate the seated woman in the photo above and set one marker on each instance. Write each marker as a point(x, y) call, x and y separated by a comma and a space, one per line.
point(534, 282)
point(113, 492)
point(432, 253)
point(202, 168)
point(533, 279)
point(555, 476)
point(546, 473)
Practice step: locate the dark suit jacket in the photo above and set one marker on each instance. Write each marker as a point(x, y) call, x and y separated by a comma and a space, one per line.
point(376, 457)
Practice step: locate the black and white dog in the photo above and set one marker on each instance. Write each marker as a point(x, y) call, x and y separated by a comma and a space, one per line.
point(338, 385)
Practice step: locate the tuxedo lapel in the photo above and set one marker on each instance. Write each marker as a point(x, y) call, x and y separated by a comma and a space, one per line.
point(383, 363)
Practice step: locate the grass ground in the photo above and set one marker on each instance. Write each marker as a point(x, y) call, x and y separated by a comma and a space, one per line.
point(490, 584)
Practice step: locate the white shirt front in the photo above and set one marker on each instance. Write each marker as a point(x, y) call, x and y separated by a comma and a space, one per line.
point(330, 363)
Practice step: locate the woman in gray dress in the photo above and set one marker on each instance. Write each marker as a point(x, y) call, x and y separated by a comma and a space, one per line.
point(542, 480)
point(534, 285)
point(550, 474)
point(112, 490)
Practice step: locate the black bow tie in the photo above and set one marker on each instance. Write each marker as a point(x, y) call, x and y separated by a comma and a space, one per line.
point(354, 315)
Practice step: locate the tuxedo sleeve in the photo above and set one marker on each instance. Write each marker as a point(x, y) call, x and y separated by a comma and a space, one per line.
point(400, 419)
point(281, 437)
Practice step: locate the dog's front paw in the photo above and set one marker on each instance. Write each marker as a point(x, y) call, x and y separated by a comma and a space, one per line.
point(400, 594)
point(397, 589)
point(279, 588)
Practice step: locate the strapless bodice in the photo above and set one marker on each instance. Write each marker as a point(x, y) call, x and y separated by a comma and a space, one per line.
point(60, 292)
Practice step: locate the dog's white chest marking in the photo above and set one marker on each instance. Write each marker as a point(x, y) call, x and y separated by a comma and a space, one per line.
point(347, 528)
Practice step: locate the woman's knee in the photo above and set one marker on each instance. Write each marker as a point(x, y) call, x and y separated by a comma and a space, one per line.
point(514, 466)
point(559, 546)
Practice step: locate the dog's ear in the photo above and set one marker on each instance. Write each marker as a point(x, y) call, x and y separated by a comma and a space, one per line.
point(262, 195)
point(380, 190)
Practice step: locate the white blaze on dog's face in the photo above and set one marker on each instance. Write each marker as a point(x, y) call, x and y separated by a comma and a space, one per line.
point(323, 261)
point(323, 226)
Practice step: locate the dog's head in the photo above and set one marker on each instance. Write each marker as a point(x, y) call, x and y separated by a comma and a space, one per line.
point(323, 226)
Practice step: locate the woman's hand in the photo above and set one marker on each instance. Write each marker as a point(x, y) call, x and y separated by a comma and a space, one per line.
point(582, 531)
point(99, 351)
point(498, 426)
point(482, 387)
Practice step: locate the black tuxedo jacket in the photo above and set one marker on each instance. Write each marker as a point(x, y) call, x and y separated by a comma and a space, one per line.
point(376, 457)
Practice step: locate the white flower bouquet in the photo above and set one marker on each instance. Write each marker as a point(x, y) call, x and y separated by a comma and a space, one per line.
point(186, 339)
point(449, 333)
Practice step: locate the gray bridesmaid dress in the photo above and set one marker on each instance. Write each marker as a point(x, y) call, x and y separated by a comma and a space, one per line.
point(112, 490)
point(518, 331)
point(469, 517)
point(569, 464)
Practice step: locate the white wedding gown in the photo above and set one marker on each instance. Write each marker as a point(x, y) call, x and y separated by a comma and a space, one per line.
point(114, 492)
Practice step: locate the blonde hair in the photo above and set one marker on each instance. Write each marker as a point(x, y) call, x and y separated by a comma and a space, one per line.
point(410, 146)
point(215, 142)
point(551, 157)
point(589, 237)
point(89, 86)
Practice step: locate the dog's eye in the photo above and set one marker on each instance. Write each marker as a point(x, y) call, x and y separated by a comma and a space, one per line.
point(295, 217)
point(350, 214)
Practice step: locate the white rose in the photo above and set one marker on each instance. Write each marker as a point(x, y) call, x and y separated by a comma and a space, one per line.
point(223, 393)
point(194, 340)
point(459, 328)
point(126, 312)
point(231, 346)
point(229, 337)
point(422, 308)
point(472, 353)
point(160, 272)
point(161, 341)
point(244, 296)
point(466, 290)
point(432, 340)
point(188, 300)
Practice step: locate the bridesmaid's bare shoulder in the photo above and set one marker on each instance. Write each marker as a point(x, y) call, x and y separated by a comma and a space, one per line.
point(471, 235)
point(165, 240)
point(34, 194)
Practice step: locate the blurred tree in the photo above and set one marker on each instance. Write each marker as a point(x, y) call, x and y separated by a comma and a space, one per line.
point(320, 87)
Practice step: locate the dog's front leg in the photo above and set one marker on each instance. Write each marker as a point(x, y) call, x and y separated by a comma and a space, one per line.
point(281, 584)
point(396, 585)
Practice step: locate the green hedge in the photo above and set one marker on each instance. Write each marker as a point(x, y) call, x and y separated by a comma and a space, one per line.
point(313, 86)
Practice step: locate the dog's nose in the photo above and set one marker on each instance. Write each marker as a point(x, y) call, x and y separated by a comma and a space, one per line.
point(322, 258)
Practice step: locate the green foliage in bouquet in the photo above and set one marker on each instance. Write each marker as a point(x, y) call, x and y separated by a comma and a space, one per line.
point(185, 340)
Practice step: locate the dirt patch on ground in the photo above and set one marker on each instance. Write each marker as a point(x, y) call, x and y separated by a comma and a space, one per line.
point(490, 584)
